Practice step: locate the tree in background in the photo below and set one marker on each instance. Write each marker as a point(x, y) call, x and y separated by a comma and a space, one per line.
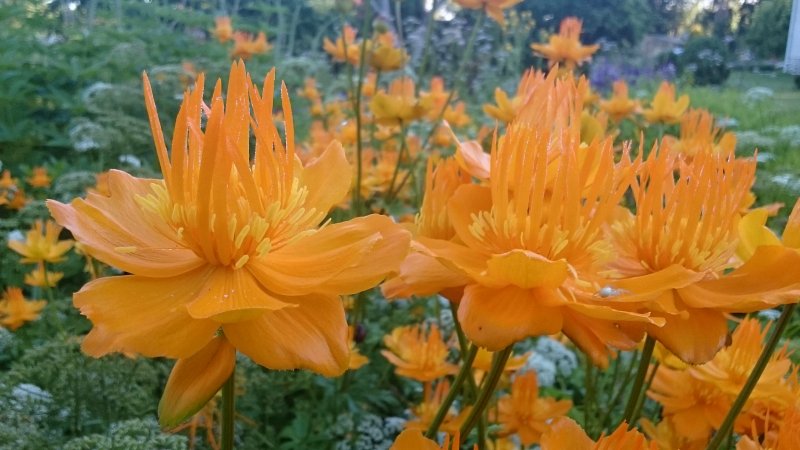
point(766, 35)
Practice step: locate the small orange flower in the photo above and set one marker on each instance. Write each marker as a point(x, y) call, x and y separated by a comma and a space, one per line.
point(384, 56)
point(664, 108)
point(565, 47)
point(11, 194)
point(226, 253)
point(346, 48)
point(435, 98)
point(667, 438)
point(425, 412)
point(565, 434)
point(39, 178)
point(493, 8)
point(15, 310)
point(38, 278)
point(507, 108)
point(698, 134)
point(246, 46)
point(42, 244)
point(417, 353)
point(414, 440)
point(619, 106)
point(223, 30)
point(525, 413)
point(399, 105)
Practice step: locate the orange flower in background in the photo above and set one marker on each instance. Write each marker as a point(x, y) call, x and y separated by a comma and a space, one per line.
point(40, 278)
point(41, 244)
point(227, 254)
point(666, 437)
point(11, 194)
point(456, 115)
point(435, 98)
point(665, 108)
point(15, 310)
point(530, 241)
point(39, 178)
point(493, 8)
point(507, 108)
point(425, 412)
point(384, 56)
point(525, 413)
point(246, 46)
point(418, 353)
point(565, 47)
point(414, 440)
point(674, 253)
point(565, 434)
point(397, 106)
point(223, 30)
point(698, 134)
point(619, 106)
point(346, 48)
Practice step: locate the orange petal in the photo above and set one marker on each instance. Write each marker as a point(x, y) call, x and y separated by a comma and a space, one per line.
point(650, 286)
point(342, 258)
point(231, 295)
point(471, 157)
point(311, 336)
point(421, 275)
point(327, 178)
point(468, 261)
point(694, 339)
point(413, 440)
point(467, 201)
point(526, 270)
point(135, 314)
point(753, 232)
point(770, 277)
point(194, 381)
point(119, 232)
point(594, 336)
point(496, 318)
point(564, 434)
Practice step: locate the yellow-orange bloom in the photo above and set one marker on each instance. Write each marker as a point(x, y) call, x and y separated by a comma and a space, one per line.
point(525, 413)
point(399, 105)
point(223, 30)
point(493, 8)
point(15, 310)
point(664, 108)
point(11, 194)
point(246, 46)
point(675, 251)
point(384, 56)
point(417, 353)
point(698, 134)
point(346, 49)
point(414, 440)
point(565, 47)
point(41, 244)
point(39, 178)
point(425, 412)
point(38, 278)
point(754, 232)
point(565, 434)
point(619, 106)
point(507, 108)
point(667, 438)
point(226, 244)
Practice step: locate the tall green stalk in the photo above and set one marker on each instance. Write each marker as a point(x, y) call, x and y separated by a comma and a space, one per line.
point(228, 412)
point(641, 373)
point(487, 390)
point(727, 425)
point(357, 201)
point(463, 374)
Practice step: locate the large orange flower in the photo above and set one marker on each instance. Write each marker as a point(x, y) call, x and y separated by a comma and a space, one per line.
point(565, 47)
point(530, 241)
point(675, 251)
point(226, 253)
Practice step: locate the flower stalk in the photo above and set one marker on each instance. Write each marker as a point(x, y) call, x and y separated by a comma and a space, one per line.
point(228, 412)
point(487, 389)
point(463, 373)
point(638, 383)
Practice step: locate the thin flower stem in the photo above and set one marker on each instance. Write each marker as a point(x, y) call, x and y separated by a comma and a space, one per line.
point(590, 399)
point(463, 343)
point(426, 52)
point(640, 403)
point(228, 412)
point(641, 373)
point(725, 429)
point(400, 155)
point(487, 389)
point(604, 422)
point(47, 289)
point(464, 373)
point(357, 106)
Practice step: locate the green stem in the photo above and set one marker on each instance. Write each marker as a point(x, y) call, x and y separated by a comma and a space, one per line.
point(641, 373)
point(390, 193)
point(487, 389)
point(472, 389)
point(590, 395)
point(637, 411)
point(604, 421)
point(228, 411)
point(725, 429)
point(464, 373)
point(359, 145)
point(426, 49)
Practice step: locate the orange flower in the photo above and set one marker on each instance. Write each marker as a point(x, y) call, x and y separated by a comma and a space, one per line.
point(530, 242)
point(346, 48)
point(493, 8)
point(436, 98)
point(456, 116)
point(698, 134)
point(223, 30)
point(667, 438)
point(664, 108)
point(418, 354)
point(565, 434)
point(10, 192)
point(399, 105)
point(42, 244)
point(507, 108)
point(15, 310)
point(525, 413)
point(425, 412)
point(39, 178)
point(619, 106)
point(226, 253)
point(565, 47)
point(246, 46)
point(414, 440)
point(753, 232)
point(675, 251)
point(384, 56)
point(38, 278)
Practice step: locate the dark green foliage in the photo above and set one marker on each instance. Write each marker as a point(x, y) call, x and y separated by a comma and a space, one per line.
point(766, 35)
point(135, 434)
point(705, 61)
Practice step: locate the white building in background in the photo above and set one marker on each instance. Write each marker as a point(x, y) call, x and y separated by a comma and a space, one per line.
point(792, 61)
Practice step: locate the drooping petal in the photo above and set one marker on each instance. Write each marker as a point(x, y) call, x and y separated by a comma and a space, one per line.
point(694, 337)
point(652, 285)
point(564, 434)
point(422, 275)
point(525, 270)
point(473, 159)
point(468, 261)
point(496, 318)
point(311, 336)
point(327, 178)
point(231, 295)
point(194, 381)
point(119, 232)
point(135, 314)
point(594, 337)
point(413, 440)
point(342, 258)
point(753, 232)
